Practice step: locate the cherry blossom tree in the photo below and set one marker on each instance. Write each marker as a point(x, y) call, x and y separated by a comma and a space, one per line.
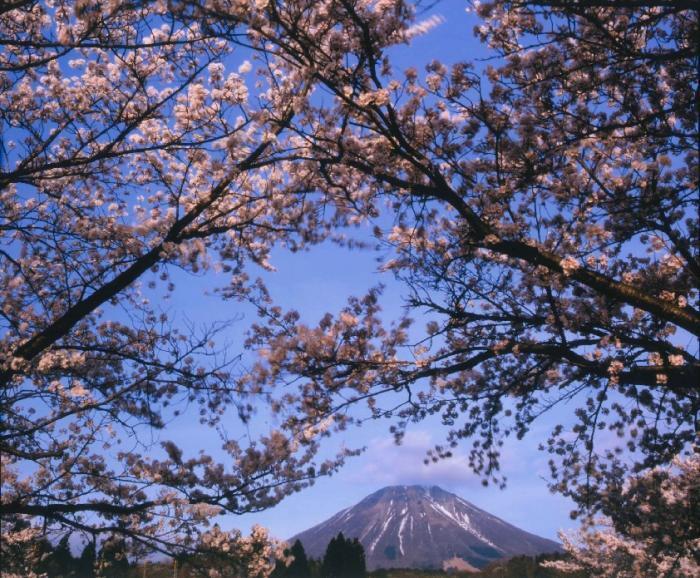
point(137, 143)
point(543, 217)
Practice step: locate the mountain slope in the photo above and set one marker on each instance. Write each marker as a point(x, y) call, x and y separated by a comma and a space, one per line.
point(421, 527)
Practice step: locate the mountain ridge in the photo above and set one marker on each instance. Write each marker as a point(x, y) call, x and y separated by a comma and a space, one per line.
point(414, 526)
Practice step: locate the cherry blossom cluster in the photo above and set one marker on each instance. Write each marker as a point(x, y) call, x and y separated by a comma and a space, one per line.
point(656, 534)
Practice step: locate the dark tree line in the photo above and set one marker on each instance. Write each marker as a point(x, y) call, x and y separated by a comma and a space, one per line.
point(344, 558)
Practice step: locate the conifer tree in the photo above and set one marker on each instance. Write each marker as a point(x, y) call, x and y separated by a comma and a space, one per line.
point(85, 566)
point(355, 558)
point(299, 568)
point(331, 560)
point(344, 558)
point(60, 562)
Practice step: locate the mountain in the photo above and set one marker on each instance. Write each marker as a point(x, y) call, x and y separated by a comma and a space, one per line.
point(424, 527)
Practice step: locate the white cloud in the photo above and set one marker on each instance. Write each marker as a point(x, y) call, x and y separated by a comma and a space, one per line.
point(384, 463)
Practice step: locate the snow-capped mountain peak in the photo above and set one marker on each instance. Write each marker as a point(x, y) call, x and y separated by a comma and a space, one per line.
point(424, 527)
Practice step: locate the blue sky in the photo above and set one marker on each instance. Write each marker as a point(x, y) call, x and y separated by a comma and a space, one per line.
point(320, 281)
